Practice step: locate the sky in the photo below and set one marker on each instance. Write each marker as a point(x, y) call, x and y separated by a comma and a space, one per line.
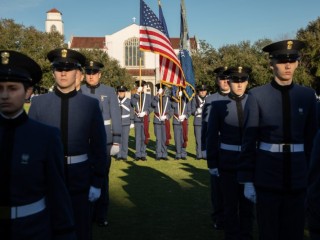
point(218, 22)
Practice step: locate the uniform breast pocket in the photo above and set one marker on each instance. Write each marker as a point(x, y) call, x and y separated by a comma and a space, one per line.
point(28, 165)
point(299, 118)
point(105, 102)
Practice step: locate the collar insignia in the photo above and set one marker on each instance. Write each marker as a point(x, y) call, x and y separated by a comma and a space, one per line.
point(64, 53)
point(5, 58)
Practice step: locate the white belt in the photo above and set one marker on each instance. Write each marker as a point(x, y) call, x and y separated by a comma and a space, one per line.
point(199, 115)
point(282, 147)
point(236, 148)
point(76, 159)
point(23, 211)
point(125, 116)
point(107, 122)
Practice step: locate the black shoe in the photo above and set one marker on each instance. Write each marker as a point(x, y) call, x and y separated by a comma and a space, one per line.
point(158, 159)
point(176, 158)
point(103, 224)
point(165, 158)
point(124, 159)
point(184, 158)
point(143, 159)
point(217, 226)
point(197, 158)
point(137, 158)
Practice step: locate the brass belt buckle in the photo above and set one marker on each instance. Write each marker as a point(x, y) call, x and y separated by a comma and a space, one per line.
point(5, 212)
point(286, 147)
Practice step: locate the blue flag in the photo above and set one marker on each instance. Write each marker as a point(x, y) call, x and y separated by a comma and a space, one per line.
point(184, 54)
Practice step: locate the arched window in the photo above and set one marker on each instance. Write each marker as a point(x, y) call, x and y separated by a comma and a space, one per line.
point(53, 28)
point(133, 53)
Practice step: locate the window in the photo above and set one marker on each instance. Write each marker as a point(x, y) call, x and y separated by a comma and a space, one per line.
point(53, 28)
point(133, 53)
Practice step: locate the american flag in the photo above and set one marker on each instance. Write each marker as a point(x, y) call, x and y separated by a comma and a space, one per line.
point(154, 38)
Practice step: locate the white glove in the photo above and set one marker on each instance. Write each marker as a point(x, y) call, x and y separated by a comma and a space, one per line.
point(204, 154)
point(132, 125)
point(94, 193)
point(199, 111)
point(163, 117)
point(182, 118)
point(250, 192)
point(214, 172)
point(160, 91)
point(142, 114)
point(139, 90)
point(114, 149)
point(180, 93)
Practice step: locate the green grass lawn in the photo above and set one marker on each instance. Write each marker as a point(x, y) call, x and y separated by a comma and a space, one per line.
point(160, 200)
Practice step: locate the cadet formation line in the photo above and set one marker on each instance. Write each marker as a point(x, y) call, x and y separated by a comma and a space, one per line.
point(262, 146)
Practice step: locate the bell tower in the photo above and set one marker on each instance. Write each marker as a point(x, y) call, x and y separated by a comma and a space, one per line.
point(54, 21)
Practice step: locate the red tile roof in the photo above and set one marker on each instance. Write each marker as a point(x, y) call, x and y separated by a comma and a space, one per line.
point(54, 10)
point(87, 42)
point(144, 72)
point(99, 42)
point(176, 43)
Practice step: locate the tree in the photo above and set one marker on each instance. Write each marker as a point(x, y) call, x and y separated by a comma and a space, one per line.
point(242, 54)
point(310, 73)
point(31, 42)
point(204, 62)
point(112, 73)
point(37, 44)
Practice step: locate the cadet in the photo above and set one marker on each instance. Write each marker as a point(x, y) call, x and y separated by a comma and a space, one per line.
point(216, 192)
point(80, 121)
point(79, 79)
point(224, 137)
point(127, 116)
point(34, 201)
point(313, 194)
point(181, 113)
point(280, 123)
point(197, 105)
point(141, 102)
point(112, 123)
point(161, 120)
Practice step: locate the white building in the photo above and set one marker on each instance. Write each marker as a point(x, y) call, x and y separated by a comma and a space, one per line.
point(54, 21)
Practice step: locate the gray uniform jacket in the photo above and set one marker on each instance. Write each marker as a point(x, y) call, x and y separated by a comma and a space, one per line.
point(127, 113)
point(166, 109)
point(197, 106)
point(110, 109)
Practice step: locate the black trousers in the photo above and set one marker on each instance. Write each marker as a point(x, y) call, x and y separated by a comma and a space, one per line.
point(101, 206)
point(238, 211)
point(216, 201)
point(280, 215)
point(81, 210)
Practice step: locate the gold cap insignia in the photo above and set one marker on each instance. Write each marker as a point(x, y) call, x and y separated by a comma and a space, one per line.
point(225, 68)
point(91, 63)
point(5, 58)
point(64, 53)
point(289, 45)
point(239, 69)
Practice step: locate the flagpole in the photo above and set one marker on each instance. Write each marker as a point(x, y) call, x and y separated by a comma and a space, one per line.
point(140, 81)
point(160, 95)
point(160, 99)
point(180, 100)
